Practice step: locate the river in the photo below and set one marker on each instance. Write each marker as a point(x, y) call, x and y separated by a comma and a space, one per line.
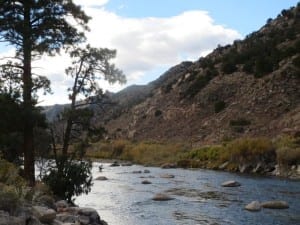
point(198, 197)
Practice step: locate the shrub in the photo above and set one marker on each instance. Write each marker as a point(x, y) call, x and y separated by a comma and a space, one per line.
point(158, 113)
point(288, 156)
point(251, 150)
point(9, 198)
point(288, 150)
point(219, 106)
point(296, 61)
point(240, 122)
point(118, 147)
point(9, 175)
point(229, 67)
point(69, 178)
point(153, 153)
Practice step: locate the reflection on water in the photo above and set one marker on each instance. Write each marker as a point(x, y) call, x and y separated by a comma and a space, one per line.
point(199, 198)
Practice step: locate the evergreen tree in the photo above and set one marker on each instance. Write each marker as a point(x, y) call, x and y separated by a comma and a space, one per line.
point(36, 27)
point(71, 175)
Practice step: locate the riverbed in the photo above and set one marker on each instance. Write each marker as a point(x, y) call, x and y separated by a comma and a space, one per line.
point(199, 198)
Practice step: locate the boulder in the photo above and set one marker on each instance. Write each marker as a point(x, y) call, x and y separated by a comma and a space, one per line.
point(146, 182)
point(66, 218)
point(245, 168)
point(44, 214)
point(6, 219)
point(62, 204)
point(127, 164)
point(114, 164)
point(224, 165)
point(91, 214)
point(275, 205)
point(168, 166)
point(45, 200)
point(137, 171)
point(168, 176)
point(146, 171)
point(253, 206)
point(231, 183)
point(101, 178)
point(57, 222)
point(147, 177)
point(162, 197)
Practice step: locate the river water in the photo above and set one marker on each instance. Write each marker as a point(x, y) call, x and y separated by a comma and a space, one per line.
point(198, 197)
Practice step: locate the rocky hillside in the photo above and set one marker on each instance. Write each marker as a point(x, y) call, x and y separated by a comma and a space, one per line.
point(249, 88)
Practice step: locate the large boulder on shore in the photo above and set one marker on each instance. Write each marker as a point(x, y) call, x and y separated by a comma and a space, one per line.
point(6, 219)
point(44, 214)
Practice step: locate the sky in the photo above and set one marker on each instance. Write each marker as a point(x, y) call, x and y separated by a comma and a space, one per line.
point(151, 36)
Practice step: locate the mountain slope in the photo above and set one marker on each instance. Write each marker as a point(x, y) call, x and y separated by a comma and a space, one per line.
point(250, 88)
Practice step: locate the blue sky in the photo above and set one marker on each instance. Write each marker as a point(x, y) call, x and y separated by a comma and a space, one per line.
point(245, 15)
point(152, 35)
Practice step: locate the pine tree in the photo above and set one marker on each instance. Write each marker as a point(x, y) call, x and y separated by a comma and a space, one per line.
point(34, 28)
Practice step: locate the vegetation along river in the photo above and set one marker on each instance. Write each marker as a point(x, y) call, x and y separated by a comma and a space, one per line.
point(199, 198)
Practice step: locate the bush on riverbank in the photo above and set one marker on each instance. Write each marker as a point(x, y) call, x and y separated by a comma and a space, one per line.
point(244, 152)
point(288, 151)
point(149, 153)
point(12, 186)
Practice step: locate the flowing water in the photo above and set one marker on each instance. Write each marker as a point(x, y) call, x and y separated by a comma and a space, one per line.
point(198, 197)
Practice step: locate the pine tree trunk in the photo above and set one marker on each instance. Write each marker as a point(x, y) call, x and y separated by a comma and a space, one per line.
point(28, 145)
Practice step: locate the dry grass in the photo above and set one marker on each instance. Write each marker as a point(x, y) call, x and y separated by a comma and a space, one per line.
point(285, 151)
point(288, 156)
point(250, 150)
point(150, 153)
point(288, 150)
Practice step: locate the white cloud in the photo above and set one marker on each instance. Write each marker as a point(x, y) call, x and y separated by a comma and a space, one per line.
point(143, 44)
point(146, 43)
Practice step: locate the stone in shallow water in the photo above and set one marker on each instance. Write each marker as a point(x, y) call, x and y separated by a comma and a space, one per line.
point(162, 197)
point(167, 176)
point(101, 178)
point(231, 183)
point(168, 166)
point(275, 205)
point(146, 182)
point(253, 206)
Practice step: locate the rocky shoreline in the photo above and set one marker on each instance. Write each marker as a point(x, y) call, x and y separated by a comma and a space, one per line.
point(45, 211)
point(260, 168)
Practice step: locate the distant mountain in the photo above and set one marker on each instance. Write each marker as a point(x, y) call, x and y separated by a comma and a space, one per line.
point(53, 111)
point(249, 88)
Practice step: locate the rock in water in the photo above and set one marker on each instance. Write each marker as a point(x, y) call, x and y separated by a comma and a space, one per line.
point(168, 166)
point(114, 164)
point(146, 182)
point(162, 197)
point(167, 176)
point(275, 205)
point(231, 183)
point(253, 206)
point(101, 178)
